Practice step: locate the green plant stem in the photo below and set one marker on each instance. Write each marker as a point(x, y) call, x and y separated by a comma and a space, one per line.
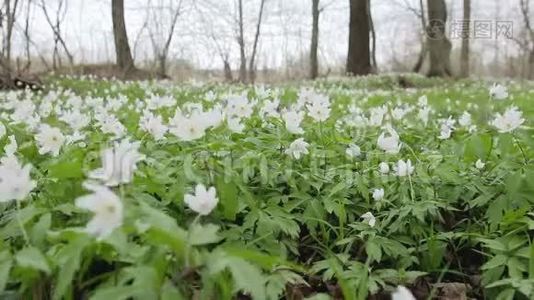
point(24, 234)
point(525, 159)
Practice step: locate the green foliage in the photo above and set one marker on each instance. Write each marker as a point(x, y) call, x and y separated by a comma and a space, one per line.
point(283, 224)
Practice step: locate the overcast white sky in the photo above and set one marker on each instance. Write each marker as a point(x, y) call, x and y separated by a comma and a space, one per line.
point(285, 35)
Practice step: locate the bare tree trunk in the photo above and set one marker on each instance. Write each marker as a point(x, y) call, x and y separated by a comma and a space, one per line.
point(423, 52)
point(10, 10)
point(56, 29)
point(358, 58)
point(228, 77)
point(438, 45)
point(122, 48)
point(161, 48)
point(464, 55)
point(373, 36)
point(525, 11)
point(251, 66)
point(314, 62)
point(241, 42)
point(26, 67)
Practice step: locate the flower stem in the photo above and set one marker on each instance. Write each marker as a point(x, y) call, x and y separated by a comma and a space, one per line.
point(521, 149)
point(19, 221)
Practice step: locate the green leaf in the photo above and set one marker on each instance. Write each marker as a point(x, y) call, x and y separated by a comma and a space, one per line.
point(66, 169)
point(507, 294)
point(496, 261)
point(39, 229)
point(203, 234)
point(170, 292)
point(373, 251)
point(12, 229)
point(118, 292)
point(228, 198)
point(247, 277)
point(478, 147)
point(32, 258)
point(5, 266)
point(69, 259)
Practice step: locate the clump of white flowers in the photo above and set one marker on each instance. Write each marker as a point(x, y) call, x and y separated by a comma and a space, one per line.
point(297, 148)
point(107, 209)
point(192, 126)
point(319, 109)
point(118, 163)
point(203, 201)
point(509, 121)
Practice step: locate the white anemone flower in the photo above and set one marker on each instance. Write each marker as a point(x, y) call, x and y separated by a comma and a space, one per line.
point(319, 111)
point(235, 125)
point(353, 150)
point(402, 293)
point(498, 92)
point(2, 130)
point(383, 167)
point(390, 143)
point(509, 121)
point(297, 148)
point(50, 140)
point(465, 119)
point(107, 209)
point(153, 124)
point(403, 168)
point(12, 147)
point(378, 194)
point(189, 128)
point(203, 201)
point(292, 119)
point(369, 219)
point(15, 180)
